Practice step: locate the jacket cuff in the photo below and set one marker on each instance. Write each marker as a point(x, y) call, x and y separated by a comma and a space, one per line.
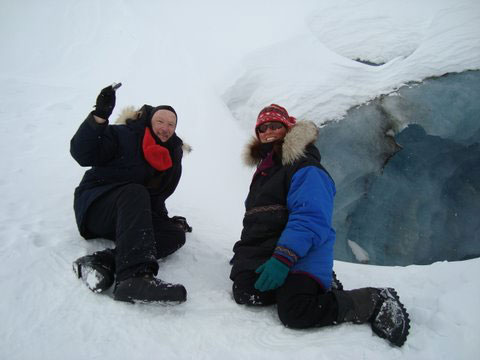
point(285, 255)
point(93, 124)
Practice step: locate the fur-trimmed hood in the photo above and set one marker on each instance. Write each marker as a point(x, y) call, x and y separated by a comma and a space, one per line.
point(128, 113)
point(291, 149)
point(131, 114)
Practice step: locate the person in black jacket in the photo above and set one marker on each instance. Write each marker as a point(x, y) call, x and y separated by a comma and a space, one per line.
point(135, 167)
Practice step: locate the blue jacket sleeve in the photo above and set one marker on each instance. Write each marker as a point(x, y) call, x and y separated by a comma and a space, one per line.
point(310, 206)
point(93, 144)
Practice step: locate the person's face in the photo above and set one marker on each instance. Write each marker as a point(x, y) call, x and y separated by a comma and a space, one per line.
point(272, 131)
point(164, 123)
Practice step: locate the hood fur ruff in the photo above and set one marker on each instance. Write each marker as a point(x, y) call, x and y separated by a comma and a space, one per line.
point(293, 147)
point(131, 113)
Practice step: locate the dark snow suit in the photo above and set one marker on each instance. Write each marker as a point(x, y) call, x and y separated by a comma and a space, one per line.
point(288, 216)
point(122, 197)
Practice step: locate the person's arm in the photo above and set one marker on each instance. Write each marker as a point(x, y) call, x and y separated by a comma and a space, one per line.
point(310, 204)
point(94, 143)
point(99, 120)
point(310, 207)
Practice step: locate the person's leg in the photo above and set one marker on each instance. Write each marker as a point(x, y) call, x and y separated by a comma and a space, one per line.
point(381, 307)
point(124, 216)
point(169, 237)
point(136, 251)
point(303, 303)
point(101, 220)
point(245, 293)
point(98, 270)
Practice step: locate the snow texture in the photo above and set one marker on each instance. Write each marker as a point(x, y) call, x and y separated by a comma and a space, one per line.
point(217, 62)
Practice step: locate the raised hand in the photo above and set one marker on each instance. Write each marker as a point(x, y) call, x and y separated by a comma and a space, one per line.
point(105, 103)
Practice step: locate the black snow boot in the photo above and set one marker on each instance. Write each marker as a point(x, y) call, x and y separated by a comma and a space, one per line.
point(390, 319)
point(97, 271)
point(380, 307)
point(147, 288)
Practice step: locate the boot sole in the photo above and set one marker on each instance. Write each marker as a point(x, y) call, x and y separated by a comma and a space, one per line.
point(168, 295)
point(159, 301)
point(146, 302)
point(392, 306)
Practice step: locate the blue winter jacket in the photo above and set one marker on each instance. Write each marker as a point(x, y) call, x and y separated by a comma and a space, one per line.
point(308, 238)
point(289, 208)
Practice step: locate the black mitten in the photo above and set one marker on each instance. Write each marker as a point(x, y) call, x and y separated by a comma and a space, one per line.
point(181, 222)
point(105, 103)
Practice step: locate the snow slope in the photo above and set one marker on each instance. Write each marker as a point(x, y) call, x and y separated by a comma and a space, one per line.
point(216, 63)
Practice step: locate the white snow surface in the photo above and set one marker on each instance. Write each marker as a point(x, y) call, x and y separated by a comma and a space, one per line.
point(218, 63)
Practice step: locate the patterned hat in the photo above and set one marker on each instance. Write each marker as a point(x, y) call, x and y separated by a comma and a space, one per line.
point(276, 113)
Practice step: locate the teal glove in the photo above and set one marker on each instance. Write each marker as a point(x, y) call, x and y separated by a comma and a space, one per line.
point(272, 275)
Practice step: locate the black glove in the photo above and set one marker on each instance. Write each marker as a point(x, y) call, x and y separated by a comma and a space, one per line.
point(181, 222)
point(105, 103)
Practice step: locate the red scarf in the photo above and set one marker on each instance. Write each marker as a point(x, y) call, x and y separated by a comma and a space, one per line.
point(156, 155)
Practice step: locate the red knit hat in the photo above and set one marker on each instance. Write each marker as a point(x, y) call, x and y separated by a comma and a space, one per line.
point(276, 113)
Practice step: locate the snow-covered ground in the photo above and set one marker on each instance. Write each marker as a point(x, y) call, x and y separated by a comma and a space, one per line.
point(217, 62)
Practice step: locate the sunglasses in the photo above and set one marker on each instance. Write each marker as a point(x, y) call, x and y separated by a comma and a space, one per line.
point(272, 126)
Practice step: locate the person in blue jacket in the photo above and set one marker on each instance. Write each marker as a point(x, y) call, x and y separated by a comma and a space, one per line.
point(135, 165)
point(285, 253)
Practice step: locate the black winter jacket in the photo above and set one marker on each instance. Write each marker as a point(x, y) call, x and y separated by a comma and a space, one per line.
point(115, 155)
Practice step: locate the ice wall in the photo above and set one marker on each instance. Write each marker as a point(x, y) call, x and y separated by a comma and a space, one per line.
point(407, 169)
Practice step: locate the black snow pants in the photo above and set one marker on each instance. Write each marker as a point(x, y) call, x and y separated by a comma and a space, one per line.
point(301, 302)
point(124, 216)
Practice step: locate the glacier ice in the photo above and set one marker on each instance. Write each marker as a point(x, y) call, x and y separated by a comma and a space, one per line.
point(407, 170)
